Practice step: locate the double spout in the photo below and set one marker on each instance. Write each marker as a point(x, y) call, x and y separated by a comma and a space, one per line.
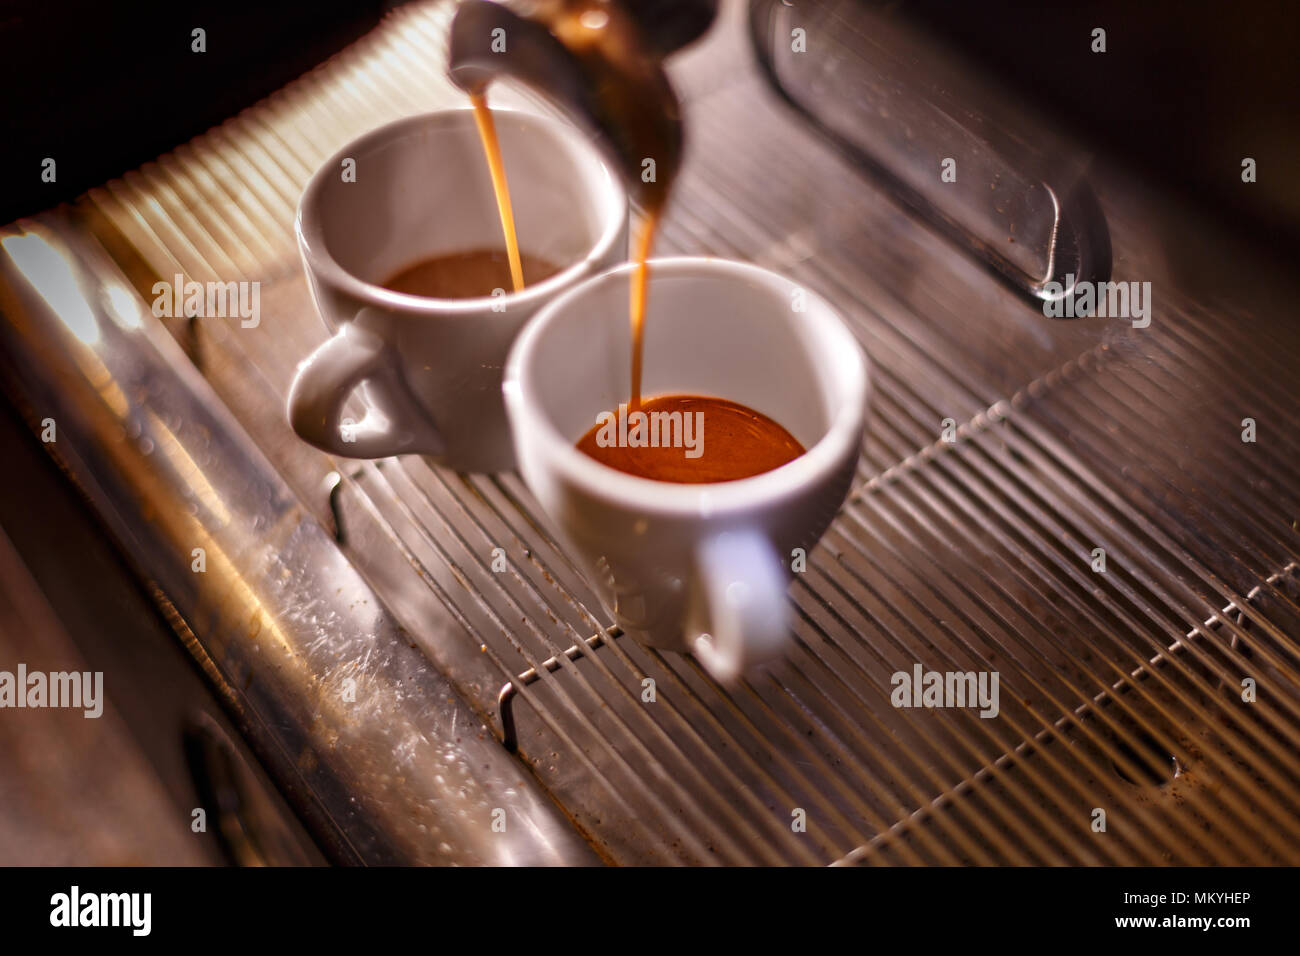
point(600, 60)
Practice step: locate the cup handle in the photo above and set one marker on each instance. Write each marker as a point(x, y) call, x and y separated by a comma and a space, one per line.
point(395, 423)
point(740, 612)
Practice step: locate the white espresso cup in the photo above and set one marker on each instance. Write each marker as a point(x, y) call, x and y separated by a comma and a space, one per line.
point(691, 567)
point(429, 369)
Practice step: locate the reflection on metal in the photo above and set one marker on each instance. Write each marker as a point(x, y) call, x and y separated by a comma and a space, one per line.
point(1284, 585)
point(50, 274)
point(901, 107)
point(372, 745)
point(966, 555)
point(239, 814)
point(333, 485)
point(121, 303)
point(506, 696)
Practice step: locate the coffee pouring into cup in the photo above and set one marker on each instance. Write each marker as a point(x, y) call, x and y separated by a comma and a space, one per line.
point(692, 567)
point(428, 366)
point(603, 62)
point(761, 378)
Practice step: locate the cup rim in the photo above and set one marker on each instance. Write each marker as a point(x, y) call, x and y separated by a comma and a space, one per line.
point(311, 233)
point(659, 498)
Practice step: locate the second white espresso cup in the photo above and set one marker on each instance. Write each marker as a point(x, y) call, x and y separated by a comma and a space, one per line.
point(691, 567)
point(429, 369)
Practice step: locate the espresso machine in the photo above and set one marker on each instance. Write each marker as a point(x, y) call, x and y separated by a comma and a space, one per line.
point(359, 661)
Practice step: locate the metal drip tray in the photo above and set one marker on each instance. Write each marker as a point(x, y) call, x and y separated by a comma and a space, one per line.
point(1120, 690)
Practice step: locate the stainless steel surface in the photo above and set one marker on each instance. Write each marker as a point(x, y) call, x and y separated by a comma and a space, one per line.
point(510, 689)
point(81, 595)
point(59, 769)
point(1120, 690)
point(937, 137)
point(382, 755)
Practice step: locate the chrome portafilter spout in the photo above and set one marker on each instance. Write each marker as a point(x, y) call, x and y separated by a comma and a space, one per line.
point(600, 60)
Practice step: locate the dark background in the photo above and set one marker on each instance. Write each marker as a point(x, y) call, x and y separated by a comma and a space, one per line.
point(1183, 93)
point(102, 87)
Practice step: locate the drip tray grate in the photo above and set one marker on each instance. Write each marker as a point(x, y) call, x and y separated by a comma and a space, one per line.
point(1119, 685)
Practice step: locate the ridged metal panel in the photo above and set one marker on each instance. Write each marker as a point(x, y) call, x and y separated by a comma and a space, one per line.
point(970, 555)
